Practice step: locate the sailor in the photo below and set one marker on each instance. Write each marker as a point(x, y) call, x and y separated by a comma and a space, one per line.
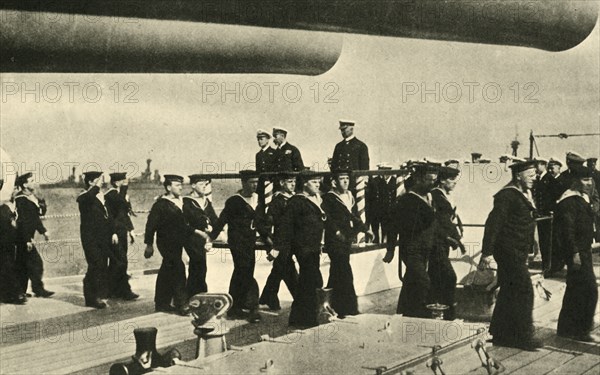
point(284, 267)
point(565, 181)
point(239, 214)
point(591, 164)
point(287, 156)
point(118, 205)
point(10, 291)
point(29, 262)
point(447, 235)
point(575, 224)
point(350, 152)
point(167, 220)
point(200, 214)
point(412, 230)
point(341, 228)
point(543, 197)
point(508, 239)
point(301, 232)
point(98, 235)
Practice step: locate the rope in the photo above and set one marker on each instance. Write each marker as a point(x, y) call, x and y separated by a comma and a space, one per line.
point(360, 205)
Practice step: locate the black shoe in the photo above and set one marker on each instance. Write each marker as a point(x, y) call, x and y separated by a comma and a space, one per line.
point(28, 295)
point(583, 338)
point(130, 296)
point(44, 293)
point(530, 345)
point(236, 314)
point(20, 299)
point(254, 317)
point(97, 304)
point(184, 310)
point(165, 309)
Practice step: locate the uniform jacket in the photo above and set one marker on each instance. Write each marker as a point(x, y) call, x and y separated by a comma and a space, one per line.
point(574, 223)
point(96, 222)
point(412, 226)
point(271, 219)
point(8, 225)
point(510, 226)
point(265, 160)
point(118, 206)
point(167, 220)
point(340, 218)
point(545, 200)
point(240, 218)
point(352, 154)
point(288, 158)
point(197, 216)
point(381, 196)
point(301, 229)
point(29, 220)
point(446, 219)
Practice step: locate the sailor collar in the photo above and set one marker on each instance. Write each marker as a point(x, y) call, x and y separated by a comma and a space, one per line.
point(111, 189)
point(251, 201)
point(176, 201)
point(427, 199)
point(202, 201)
point(30, 197)
point(573, 193)
point(528, 196)
point(347, 201)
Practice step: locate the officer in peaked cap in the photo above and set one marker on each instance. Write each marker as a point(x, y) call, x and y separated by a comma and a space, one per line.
point(544, 201)
point(575, 224)
point(508, 238)
point(265, 161)
point(350, 152)
point(287, 156)
point(380, 196)
point(119, 206)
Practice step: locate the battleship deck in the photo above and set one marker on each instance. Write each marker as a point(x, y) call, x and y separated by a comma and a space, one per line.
point(59, 335)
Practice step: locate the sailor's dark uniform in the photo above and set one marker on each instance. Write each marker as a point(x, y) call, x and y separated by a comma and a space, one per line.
point(97, 227)
point(412, 229)
point(508, 236)
point(575, 225)
point(240, 216)
point(341, 228)
point(29, 262)
point(441, 273)
point(167, 220)
point(301, 233)
point(201, 215)
point(283, 266)
point(9, 285)
point(118, 206)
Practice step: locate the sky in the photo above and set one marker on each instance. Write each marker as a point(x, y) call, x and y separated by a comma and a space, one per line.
point(175, 120)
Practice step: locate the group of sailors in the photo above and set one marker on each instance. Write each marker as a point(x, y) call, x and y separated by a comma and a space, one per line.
point(308, 215)
point(20, 261)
